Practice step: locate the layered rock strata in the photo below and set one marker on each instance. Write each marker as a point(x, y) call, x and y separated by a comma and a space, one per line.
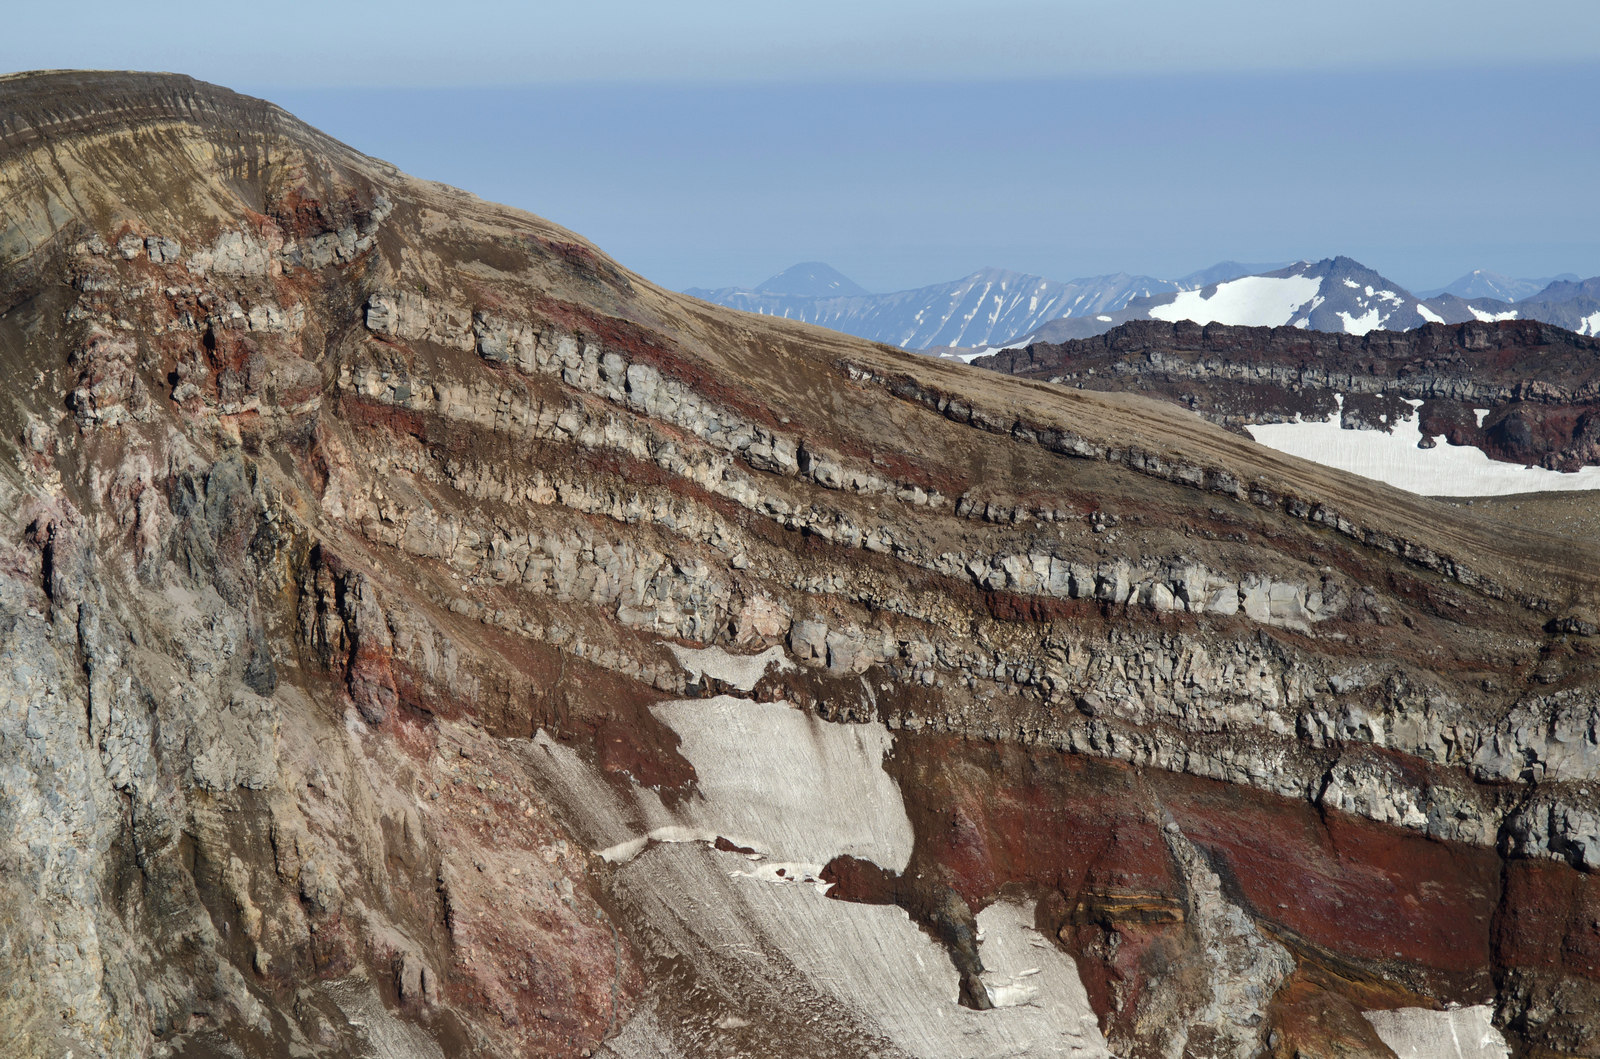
point(1523, 391)
point(385, 572)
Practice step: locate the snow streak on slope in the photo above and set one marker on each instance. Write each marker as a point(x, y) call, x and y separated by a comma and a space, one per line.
point(1254, 301)
point(790, 784)
point(989, 306)
point(771, 778)
point(799, 791)
point(1021, 966)
point(868, 965)
point(739, 671)
point(1420, 1033)
point(1394, 458)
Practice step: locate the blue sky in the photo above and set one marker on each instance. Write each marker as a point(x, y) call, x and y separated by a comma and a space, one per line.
point(716, 143)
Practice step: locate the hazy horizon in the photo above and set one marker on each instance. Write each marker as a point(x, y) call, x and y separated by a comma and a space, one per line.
point(899, 186)
point(713, 145)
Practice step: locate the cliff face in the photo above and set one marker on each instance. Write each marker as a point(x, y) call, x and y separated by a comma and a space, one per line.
point(423, 636)
point(1520, 390)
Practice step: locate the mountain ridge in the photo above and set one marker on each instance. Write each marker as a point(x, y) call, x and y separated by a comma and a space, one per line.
point(423, 635)
point(987, 306)
point(957, 319)
point(1481, 283)
point(1354, 287)
point(1522, 392)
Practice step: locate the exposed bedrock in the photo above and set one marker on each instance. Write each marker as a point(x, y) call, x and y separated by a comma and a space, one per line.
point(422, 636)
point(1522, 391)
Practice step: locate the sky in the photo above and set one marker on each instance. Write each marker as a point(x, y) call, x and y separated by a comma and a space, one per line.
point(716, 143)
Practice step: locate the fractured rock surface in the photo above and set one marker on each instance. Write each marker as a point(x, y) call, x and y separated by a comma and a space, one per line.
point(1522, 391)
point(420, 635)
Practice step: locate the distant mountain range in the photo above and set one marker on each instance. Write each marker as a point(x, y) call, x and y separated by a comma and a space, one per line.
point(988, 307)
point(811, 279)
point(1335, 294)
point(995, 308)
point(1480, 283)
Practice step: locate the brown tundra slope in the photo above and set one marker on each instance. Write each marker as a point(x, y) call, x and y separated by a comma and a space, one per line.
point(422, 636)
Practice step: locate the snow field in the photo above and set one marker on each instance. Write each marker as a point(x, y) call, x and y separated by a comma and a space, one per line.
point(1418, 1033)
point(871, 961)
point(1393, 458)
point(797, 787)
point(739, 671)
point(799, 791)
point(1253, 301)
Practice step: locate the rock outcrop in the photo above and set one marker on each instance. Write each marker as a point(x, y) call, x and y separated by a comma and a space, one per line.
point(421, 635)
point(1523, 391)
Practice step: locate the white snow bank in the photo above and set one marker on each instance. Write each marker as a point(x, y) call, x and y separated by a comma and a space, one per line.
point(1489, 318)
point(792, 785)
point(784, 872)
point(769, 777)
point(1417, 1033)
point(968, 358)
point(801, 790)
point(1445, 470)
point(1589, 325)
point(740, 671)
point(871, 960)
point(609, 822)
point(1360, 325)
point(1022, 966)
point(1253, 301)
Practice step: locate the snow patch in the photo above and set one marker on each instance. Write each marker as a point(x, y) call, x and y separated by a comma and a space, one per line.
point(1428, 314)
point(770, 777)
point(968, 358)
point(739, 671)
point(785, 872)
point(624, 851)
point(1417, 1033)
point(871, 961)
point(1023, 967)
point(800, 788)
point(804, 790)
point(1394, 458)
point(1253, 301)
point(1489, 318)
point(1589, 325)
point(1360, 325)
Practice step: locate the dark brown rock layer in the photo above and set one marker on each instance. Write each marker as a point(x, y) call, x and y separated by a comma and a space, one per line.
point(355, 533)
point(1539, 384)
